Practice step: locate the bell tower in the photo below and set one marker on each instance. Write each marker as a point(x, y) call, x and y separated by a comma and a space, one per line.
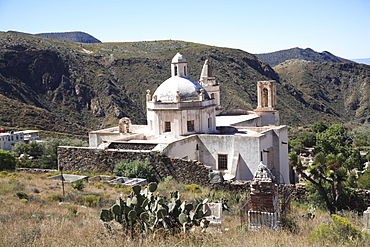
point(266, 99)
point(210, 84)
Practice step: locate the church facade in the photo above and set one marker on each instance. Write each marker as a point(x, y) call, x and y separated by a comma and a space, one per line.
point(185, 119)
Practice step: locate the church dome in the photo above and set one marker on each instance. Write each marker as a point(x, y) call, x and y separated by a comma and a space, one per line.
point(187, 88)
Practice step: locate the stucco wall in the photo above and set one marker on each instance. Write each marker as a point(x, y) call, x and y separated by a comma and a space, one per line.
point(248, 148)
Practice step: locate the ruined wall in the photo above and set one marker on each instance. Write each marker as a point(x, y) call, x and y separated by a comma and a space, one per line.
point(89, 159)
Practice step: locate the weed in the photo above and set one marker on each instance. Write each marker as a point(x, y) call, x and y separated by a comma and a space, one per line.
point(78, 184)
point(91, 200)
point(55, 198)
point(29, 235)
point(193, 188)
point(3, 174)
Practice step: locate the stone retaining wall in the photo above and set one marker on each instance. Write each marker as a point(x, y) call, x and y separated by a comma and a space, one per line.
point(89, 159)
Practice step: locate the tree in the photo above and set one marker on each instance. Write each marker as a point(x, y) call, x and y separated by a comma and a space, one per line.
point(33, 149)
point(363, 135)
point(134, 169)
point(328, 176)
point(44, 154)
point(334, 160)
point(336, 139)
point(7, 160)
point(319, 127)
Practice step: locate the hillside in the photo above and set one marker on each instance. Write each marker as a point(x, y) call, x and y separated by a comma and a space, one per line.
point(274, 58)
point(338, 91)
point(80, 37)
point(93, 85)
point(18, 115)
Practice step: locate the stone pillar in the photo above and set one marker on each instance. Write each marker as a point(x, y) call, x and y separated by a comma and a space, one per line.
point(263, 200)
point(148, 97)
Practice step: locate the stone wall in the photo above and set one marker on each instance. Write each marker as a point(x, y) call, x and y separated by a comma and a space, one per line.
point(184, 171)
point(89, 159)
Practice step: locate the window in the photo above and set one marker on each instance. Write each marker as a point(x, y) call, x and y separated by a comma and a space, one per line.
point(265, 96)
point(212, 96)
point(209, 123)
point(167, 126)
point(190, 125)
point(175, 70)
point(185, 70)
point(222, 161)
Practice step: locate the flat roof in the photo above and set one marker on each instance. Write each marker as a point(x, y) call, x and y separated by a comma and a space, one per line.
point(230, 120)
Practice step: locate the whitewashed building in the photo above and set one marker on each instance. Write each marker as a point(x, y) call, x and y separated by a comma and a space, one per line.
point(185, 120)
point(7, 140)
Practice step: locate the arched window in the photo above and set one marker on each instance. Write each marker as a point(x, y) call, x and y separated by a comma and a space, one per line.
point(175, 70)
point(265, 96)
point(185, 70)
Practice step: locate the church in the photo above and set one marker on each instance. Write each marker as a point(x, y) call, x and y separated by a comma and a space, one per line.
point(185, 119)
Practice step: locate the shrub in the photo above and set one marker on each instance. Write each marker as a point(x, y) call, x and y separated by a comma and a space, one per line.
point(21, 195)
point(193, 188)
point(134, 169)
point(78, 184)
point(3, 174)
point(7, 160)
point(363, 181)
point(340, 231)
point(72, 210)
point(99, 185)
point(91, 200)
point(55, 198)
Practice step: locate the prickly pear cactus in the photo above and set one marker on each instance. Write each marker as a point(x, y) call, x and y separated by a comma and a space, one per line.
point(145, 211)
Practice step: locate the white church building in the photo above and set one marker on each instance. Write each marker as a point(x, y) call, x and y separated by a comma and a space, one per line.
point(185, 120)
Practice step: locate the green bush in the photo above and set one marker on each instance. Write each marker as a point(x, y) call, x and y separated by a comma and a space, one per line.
point(7, 160)
point(78, 184)
point(135, 169)
point(55, 198)
point(340, 232)
point(363, 181)
point(193, 188)
point(91, 200)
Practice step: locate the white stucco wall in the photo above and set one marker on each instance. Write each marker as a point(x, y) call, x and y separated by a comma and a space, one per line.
point(248, 149)
point(184, 148)
point(179, 118)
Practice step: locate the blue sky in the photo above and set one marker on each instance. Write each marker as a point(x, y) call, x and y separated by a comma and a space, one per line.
point(341, 27)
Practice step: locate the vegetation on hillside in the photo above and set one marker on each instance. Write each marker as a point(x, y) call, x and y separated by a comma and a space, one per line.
point(43, 154)
point(334, 92)
point(336, 167)
point(35, 214)
point(93, 85)
point(80, 37)
point(277, 57)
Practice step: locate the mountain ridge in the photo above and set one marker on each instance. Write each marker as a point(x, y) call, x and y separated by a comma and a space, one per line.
point(74, 36)
point(277, 57)
point(94, 85)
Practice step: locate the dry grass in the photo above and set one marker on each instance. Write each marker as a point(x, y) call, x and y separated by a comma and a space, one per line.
point(40, 222)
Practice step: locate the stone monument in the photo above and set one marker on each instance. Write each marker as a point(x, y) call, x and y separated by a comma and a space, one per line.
point(263, 200)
